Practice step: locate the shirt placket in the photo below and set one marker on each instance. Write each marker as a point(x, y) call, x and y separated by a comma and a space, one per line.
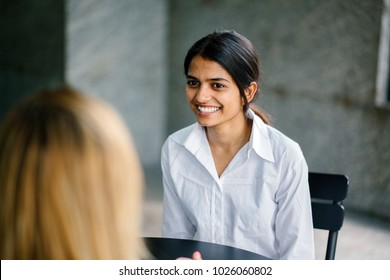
point(217, 214)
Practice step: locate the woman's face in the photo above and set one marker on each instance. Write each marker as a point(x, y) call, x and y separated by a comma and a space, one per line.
point(213, 94)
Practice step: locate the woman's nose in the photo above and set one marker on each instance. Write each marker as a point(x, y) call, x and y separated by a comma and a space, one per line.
point(203, 94)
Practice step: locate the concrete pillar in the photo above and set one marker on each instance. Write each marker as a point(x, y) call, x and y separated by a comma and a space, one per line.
point(115, 50)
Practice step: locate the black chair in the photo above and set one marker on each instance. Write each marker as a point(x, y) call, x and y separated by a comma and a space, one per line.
point(327, 193)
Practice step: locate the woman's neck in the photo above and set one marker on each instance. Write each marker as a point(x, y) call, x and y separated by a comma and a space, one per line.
point(226, 141)
point(230, 136)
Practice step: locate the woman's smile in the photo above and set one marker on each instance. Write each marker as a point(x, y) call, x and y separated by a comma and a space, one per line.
point(208, 109)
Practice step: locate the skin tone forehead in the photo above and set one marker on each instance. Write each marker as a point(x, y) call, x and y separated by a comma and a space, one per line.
point(203, 69)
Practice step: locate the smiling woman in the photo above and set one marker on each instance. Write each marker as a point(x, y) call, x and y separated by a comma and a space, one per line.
point(236, 56)
point(230, 178)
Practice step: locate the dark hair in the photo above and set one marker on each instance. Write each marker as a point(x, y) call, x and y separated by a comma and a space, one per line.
point(236, 54)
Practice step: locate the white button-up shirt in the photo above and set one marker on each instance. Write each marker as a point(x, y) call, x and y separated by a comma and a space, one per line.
point(260, 203)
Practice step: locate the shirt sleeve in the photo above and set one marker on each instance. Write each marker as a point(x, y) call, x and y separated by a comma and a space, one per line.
point(175, 222)
point(293, 223)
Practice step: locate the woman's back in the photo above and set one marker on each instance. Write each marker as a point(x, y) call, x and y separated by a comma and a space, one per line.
point(70, 181)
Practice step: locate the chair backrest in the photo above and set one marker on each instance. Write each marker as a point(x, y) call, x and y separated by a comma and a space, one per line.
point(327, 193)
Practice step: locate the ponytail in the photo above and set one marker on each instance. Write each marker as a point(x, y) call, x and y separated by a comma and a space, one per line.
point(263, 116)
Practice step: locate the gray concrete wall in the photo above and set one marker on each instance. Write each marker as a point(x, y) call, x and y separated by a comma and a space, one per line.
point(116, 50)
point(319, 70)
point(319, 62)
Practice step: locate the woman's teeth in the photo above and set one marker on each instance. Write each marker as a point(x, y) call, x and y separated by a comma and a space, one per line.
point(208, 109)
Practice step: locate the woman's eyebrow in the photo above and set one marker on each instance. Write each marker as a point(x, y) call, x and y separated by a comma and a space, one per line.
point(218, 80)
point(189, 77)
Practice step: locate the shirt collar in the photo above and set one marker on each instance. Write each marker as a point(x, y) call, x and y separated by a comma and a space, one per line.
point(194, 140)
point(260, 141)
point(197, 144)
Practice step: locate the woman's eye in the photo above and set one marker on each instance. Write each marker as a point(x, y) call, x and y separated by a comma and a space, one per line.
point(218, 86)
point(192, 83)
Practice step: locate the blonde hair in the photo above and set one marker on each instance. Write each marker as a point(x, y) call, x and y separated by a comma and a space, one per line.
point(70, 181)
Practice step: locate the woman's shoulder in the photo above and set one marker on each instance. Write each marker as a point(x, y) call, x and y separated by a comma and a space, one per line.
point(281, 143)
point(180, 139)
point(280, 137)
point(180, 136)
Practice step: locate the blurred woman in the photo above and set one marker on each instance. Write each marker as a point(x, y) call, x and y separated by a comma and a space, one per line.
point(70, 181)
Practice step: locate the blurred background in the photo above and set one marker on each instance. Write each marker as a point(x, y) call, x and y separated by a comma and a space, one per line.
point(325, 74)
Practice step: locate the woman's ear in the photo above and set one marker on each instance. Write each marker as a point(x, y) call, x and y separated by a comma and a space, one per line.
point(250, 91)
